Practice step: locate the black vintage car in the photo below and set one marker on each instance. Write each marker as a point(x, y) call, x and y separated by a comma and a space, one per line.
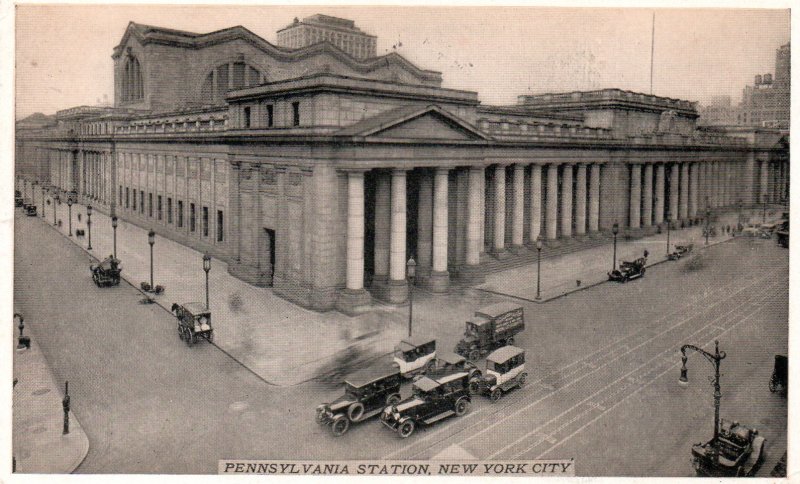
point(18, 200)
point(366, 393)
point(628, 270)
point(107, 272)
point(30, 208)
point(680, 251)
point(737, 452)
point(448, 363)
point(432, 401)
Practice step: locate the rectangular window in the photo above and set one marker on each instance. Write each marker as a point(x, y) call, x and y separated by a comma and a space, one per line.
point(134, 200)
point(141, 202)
point(295, 113)
point(159, 207)
point(220, 232)
point(127, 197)
point(150, 205)
point(192, 218)
point(205, 221)
point(180, 213)
point(169, 210)
point(270, 115)
point(247, 117)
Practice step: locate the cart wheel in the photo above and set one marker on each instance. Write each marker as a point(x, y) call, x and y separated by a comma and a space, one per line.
point(521, 379)
point(340, 426)
point(495, 395)
point(355, 411)
point(406, 429)
point(189, 337)
point(393, 399)
point(462, 406)
point(474, 386)
point(473, 355)
point(180, 332)
point(210, 336)
point(510, 341)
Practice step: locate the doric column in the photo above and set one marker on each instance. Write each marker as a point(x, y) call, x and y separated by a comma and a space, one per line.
point(684, 202)
point(424, 225)
point(552, 201)
point(398, 287)
point(355, 230)
point(647, 196)
point(594, 197)
point(659, 196)
point(518, 220)
point(499, 209)
point(474, 216)
point(580, 200)
point(439, 276)
point(674, 191)
point(566, 201)
point(382, 227)
point(715, 184)
point(635, 196)
point(693, 190)
point(536, 202)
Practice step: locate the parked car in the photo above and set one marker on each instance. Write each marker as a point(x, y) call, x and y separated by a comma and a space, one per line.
point(448, 363)
point(18, 200)
point(431, 401)
point(628, 270)
point(505, 370)
point(106, 273)
point(680, 251)
point(492, 327)
point(194, 322)
point(414, 355)
point(739, 450)
point(30, 210)
point(366, 394)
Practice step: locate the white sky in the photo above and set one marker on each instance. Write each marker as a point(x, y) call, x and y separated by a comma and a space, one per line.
point(64, 51)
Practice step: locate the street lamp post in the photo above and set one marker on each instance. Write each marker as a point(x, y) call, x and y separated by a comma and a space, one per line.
point(615, 231)
point(714, 359)
point(764, 213)
point(411, 272)
point(151, 239)
point(538, 267)
point(69, 208)
point(56, 200)
point(669, 226)
point(708, 227)
point(114, 221)
point(207, 268)
point(89, 224)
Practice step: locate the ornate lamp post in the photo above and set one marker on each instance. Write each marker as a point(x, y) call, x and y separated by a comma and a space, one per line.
point(56, 200)
point(44, 202)
point(708, 219)
point(714, 359)
point(615, 231)
point(151, 239)
point(411, 272)
point(207, 268)
point(89, 224)
point(114, 221)
point(538, 267)
point(669, 226)
point(69, 207)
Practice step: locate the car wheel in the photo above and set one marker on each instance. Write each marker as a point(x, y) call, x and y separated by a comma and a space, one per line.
point(521, 379)
point(510, 341)
point(462, 406)
point(473, 355)
point(355, 411)
point(340, 426)
point(320, 417)
point(406, 429)
point(474, 387)
point(495, 395)
point(393, 399)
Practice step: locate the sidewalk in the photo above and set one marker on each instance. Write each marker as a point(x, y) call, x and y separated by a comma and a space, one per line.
point(38, 444)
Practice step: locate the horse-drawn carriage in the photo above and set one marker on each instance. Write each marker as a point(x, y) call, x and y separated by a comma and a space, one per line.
point(107, 272)
point(194, 322)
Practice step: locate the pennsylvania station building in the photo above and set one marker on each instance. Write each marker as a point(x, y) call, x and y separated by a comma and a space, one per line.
point(318, 168)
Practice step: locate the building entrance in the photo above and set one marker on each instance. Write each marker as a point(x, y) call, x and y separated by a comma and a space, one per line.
point(267, 258)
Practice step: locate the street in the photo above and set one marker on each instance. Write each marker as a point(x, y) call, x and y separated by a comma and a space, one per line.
point(603, 367)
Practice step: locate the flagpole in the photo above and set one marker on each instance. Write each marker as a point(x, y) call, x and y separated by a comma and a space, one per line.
point(652, 50)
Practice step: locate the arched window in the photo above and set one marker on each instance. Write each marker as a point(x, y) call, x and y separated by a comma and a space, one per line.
point(132, 85)
point(229, 76)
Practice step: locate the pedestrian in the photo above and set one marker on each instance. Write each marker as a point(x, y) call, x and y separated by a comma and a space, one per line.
point(646, 253)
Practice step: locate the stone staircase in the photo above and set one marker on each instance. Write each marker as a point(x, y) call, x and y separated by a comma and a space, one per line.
point(491, 264)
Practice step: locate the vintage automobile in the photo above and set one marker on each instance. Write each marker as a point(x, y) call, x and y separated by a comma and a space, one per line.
point(18, 200)
point(448, 363)
point(106, 273)
point(737, 452)
point(505, 370)
point(194, 322)
point(780, 375)
point(30, 210)
point(628, 270)
point(366, 394)
point(680, 251)
point(414, 355)
point(431, 401)
point(492, 326)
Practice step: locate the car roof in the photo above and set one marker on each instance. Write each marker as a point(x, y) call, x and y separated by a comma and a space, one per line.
point(450, 358)
point(494, 310)
point(504, 354)
point(451, 377)
point(478, 320)
point(412, 342)
point(371, 375)
point(196, 308)
point(426, 384)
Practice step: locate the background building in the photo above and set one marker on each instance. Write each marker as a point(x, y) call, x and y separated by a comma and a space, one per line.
point(340, 32)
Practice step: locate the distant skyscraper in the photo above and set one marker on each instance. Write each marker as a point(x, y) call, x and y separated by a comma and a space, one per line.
point(340, 32)
point(767, 101)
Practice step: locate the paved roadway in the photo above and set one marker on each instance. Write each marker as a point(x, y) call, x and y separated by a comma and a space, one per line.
point(602, 387)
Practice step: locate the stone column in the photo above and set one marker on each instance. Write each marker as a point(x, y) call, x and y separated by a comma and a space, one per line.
point(715, 184)
point(382, 228)
point(674, 191)
point(594, 197)
point(566, 201)
point(355, 231)
point(474, 222)
point(552, 201)
point(684, 201)
point(424, 226)
point(440, 278)
point(536, 202)
point(634, 207)
point(647, 196)
point(398, 286)
point(499, 245)
point(693, 190)
point(580, 200)
point(659, 205)
point(518, 221)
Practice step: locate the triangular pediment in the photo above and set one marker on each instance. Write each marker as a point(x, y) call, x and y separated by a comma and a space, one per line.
point(415, 123)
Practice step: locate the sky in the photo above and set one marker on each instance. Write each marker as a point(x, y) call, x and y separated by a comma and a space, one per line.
point(63, 52)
